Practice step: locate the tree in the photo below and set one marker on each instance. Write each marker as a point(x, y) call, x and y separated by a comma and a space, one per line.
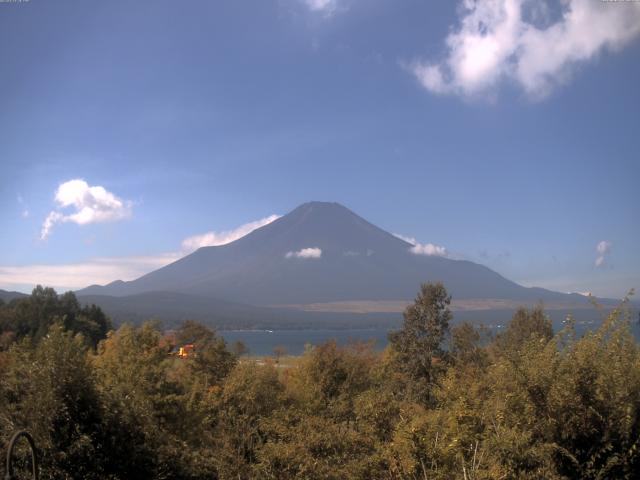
point(418, 347)
point(33, 316)
point(465, 345)
point(329, 377)
point(250, 393)
point(144, 408)
point(49, 389)
point(91, 322)
point(211, 360)
point(525, 326)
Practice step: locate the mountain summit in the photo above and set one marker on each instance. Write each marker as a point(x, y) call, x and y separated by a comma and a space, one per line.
point(320, 252)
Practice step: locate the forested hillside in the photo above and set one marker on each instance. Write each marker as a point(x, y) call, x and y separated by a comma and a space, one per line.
point(440, 402)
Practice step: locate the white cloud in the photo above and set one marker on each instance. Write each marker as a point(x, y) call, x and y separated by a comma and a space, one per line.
point(305, 253)
point(323, 6)
point(429, 249)
point(210, 239)
point(603, 249)
point(424, 249)
point(91, 204)
point(499, 40)
point(53, 218)
point(410, 240)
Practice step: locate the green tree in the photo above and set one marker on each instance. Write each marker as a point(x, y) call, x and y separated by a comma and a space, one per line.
point(33, 316)
point(50, 390)
point(312, 447)
point(147, 416)
point(211, 360)
point(418, 348)
point(525, 326)
point(465, 344)
point(250, 394)
point(329, 378)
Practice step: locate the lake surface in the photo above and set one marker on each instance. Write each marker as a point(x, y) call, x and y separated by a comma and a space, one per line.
point(262, 342)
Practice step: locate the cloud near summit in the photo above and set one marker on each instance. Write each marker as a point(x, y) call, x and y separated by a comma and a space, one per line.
point(424, 249)
point(311, 252)
point(524, 42)
point(211, 239)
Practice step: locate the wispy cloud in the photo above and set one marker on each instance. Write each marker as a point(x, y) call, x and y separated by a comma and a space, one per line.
point(312, 252)
point(519, 41)
point(410, 240)
point(210, 239)
point(424, 249)
point(584, 294)
point(89, 204)
point(25, 210)
point(82, 274)
point(603, 249)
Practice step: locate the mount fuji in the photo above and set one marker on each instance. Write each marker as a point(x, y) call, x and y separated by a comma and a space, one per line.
point(319, 257)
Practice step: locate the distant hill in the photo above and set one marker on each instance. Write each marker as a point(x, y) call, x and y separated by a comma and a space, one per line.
point(354, 260)
point(7, 296)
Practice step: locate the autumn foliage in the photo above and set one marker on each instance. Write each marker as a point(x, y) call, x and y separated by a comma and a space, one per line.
point(440, 402)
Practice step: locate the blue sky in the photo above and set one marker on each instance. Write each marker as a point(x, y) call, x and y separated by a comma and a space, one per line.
point(505, 132)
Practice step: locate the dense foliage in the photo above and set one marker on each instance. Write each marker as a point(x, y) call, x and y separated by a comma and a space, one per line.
point(438, 403)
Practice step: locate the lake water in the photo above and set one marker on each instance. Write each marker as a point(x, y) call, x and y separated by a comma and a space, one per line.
point(263, 342)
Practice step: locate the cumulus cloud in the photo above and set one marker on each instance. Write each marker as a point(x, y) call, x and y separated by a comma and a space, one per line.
point(210, 239)
point(603, 249)
point(90, 204)
point(424, 249)
point(520, 41)
point(305, 253)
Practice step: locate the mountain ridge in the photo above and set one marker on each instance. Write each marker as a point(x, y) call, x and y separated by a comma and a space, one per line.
point(7, 296)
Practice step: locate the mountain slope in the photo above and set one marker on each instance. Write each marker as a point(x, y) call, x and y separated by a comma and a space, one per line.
point(358, 261)
point(173, 308)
